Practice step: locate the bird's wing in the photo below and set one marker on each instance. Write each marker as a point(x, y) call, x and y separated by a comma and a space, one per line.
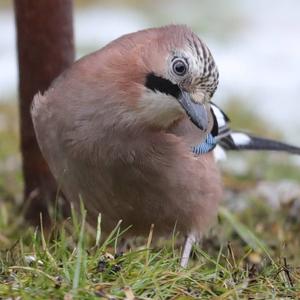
point(237, 140)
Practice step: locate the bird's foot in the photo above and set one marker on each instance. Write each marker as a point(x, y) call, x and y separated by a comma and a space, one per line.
point(190, 240)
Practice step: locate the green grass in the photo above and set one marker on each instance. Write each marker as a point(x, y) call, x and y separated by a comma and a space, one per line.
point(251, 253)
point(71, 263)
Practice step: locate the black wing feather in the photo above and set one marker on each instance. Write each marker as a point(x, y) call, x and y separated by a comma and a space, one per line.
point(228, 140)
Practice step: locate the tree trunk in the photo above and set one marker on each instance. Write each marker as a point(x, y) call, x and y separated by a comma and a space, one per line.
point(45, 49)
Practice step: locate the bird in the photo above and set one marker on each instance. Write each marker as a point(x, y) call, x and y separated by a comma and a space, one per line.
point(117, 128)
point(131, 130)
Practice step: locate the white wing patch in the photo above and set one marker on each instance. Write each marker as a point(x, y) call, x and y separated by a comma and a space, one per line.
point(240, 138)
point(219, 116)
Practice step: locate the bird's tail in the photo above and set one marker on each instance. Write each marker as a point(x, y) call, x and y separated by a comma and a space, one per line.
point(244, 141)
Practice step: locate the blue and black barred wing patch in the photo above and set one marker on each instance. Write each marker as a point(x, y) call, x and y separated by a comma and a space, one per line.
point(206, 146)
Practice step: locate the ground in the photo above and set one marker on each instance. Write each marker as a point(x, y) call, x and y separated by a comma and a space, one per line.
point(252, 252)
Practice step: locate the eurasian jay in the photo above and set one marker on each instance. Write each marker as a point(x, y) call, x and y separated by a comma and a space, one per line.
point(130, 128)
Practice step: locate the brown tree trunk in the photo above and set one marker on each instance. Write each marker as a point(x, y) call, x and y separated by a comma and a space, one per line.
point(45, 49)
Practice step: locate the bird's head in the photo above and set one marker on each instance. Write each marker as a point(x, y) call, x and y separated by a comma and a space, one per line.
point(171, 72)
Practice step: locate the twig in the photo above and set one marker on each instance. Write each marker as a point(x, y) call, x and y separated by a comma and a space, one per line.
point(287, 271)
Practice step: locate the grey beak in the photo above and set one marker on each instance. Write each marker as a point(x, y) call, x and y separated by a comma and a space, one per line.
point(196, 111)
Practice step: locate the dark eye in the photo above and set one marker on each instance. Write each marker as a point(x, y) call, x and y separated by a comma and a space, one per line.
point(179, 67)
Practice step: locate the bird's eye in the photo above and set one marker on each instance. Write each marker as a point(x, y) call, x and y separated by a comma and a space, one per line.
point(179, 67)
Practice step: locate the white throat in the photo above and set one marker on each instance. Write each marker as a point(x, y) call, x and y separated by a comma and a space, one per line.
point(159, 109)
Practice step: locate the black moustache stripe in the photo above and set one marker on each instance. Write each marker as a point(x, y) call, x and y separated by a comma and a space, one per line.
point(156, 83)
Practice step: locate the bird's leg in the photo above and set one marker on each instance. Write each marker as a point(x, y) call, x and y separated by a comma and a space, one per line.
point(187, 248)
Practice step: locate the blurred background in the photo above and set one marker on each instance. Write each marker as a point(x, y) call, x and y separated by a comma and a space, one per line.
point(256, 45)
